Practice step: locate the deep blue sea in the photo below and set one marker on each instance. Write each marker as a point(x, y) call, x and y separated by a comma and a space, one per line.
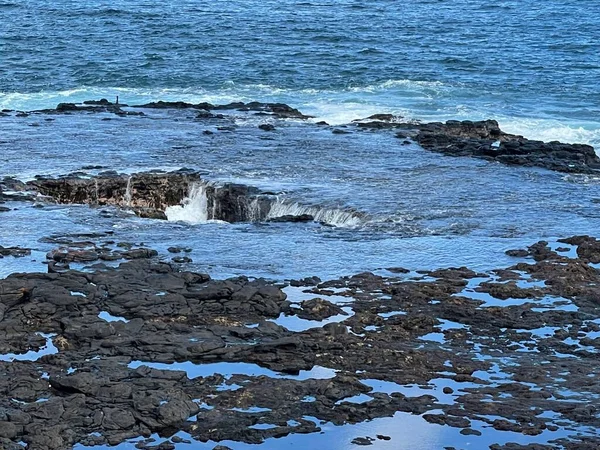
point(534, 66)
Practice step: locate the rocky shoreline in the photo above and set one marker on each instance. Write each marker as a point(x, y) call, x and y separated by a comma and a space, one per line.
point(117, 342)
point(106, 354)
point(150, 194)
point(479, 139)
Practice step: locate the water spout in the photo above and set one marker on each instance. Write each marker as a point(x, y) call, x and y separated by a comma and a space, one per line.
point(96, 191)
point(128, 192)
point(194, 207)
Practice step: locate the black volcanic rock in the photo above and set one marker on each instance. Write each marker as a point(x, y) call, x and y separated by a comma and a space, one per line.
point(98, 353)
point(146, 193)
point(267, 127)
point(280, 110)
point(17, 252)
point(168, 105)
point(291, 218)
point(484, 139)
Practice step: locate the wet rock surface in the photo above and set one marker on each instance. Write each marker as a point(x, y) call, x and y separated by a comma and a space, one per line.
point(150, 194)
point(17, 252)
point(484, 139)
point(277, 110)
point(106, 354)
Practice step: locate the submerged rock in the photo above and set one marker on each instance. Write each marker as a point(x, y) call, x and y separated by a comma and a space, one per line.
point(291, 218)
point(267, 127)
point(17, 252)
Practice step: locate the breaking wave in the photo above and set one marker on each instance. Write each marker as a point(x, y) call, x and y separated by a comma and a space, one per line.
point(206, 203)
point(412, 99)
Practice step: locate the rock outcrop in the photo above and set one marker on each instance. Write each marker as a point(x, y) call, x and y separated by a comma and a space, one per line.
point(148, 193)
point(484, 139)
point(277, 110)
point(99, 358)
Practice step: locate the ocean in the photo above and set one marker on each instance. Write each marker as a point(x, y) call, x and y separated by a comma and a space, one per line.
point(533, 66)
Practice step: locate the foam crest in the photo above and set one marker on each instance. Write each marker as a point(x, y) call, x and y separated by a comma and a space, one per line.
point(403, 84)
point(335, 217)
point(553, 130)
point(203, 205)
point(194, 207)
point(412, 99)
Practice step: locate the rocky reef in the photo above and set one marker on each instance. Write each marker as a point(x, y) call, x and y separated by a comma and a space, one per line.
point(480, 139)
point(98, 357)
point(151, 194)
point(484, 139)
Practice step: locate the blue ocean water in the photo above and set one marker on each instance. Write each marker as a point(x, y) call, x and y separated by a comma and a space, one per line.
point(535, 66)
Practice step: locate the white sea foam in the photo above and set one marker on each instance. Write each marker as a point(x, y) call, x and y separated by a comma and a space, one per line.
point(194, 208)
point(403, 84)
point(413, 99)
point(552, 130)
point(333, 216)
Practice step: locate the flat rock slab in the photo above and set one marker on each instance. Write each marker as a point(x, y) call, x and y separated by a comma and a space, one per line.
point(101, 357)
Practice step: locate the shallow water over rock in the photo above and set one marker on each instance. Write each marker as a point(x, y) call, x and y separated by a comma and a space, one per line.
point(405, 206)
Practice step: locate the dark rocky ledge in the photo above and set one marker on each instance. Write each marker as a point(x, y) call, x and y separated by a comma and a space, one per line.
point(148, 194)
point(100, 343)
point(277, 110)
point(484, 139)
